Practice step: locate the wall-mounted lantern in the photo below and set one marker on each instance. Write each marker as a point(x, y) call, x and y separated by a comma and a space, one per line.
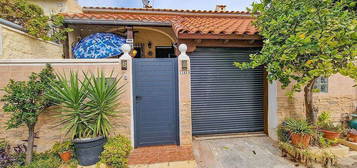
point(184, 65)
point(124, 64)
point(149, 44)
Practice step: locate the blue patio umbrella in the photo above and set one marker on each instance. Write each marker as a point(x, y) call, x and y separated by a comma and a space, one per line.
point(98, 45)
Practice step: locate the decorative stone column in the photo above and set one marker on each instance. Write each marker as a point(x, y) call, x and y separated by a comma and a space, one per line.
point(184, 85)
point(125, 62)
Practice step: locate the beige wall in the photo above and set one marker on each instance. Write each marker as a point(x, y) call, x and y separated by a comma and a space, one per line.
point(340, 100)
point(58, 6)
point(48, 133)
point(15, 44)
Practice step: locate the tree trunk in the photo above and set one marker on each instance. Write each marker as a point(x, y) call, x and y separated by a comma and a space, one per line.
point(30, 143)
point(310, 113)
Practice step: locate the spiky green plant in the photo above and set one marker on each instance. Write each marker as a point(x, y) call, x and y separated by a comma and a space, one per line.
point(70, 93)
point(87, 104)
point(298, 126)
point(103, 95)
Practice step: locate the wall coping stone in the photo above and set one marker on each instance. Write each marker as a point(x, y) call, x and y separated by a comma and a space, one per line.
point(3, 23)
point(56, 61)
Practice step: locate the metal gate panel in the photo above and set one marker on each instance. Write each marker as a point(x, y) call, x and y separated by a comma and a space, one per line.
point(155, 101)
point(225, 99)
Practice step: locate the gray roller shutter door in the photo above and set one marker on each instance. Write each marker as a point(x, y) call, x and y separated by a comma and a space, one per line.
point(224, 98)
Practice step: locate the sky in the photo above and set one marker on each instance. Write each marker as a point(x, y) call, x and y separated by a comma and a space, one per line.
point(237, 5)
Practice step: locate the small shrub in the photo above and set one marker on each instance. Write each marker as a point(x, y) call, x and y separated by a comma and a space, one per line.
point(116, 152)
point(60, 147)
point(8, 159)
point(283, 133)
point(324, 122)
point(298, 126)
point(42, 160)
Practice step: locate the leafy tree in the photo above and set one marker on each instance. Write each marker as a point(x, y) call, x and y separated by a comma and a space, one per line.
point(303, 40)
point(25, 101)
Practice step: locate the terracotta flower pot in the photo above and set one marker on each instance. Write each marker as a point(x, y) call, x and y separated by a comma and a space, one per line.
point(330, 134)
point(300, 140)
point(66, 156)
point(352, 137)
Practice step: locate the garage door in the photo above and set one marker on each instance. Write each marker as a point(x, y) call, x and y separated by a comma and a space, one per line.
point(224, 98)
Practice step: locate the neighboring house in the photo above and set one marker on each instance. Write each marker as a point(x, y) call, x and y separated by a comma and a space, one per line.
point(172, 100)
point(15, 43)
point(58, 6)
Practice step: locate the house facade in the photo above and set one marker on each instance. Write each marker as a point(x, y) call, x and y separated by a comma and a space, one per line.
point(223, 98)
point(181, 78)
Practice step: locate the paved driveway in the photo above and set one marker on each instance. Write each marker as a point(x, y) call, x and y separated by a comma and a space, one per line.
point(246, 152)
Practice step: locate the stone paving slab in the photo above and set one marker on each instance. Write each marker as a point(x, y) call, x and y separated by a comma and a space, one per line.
point(178, 164)
point(247, 152)
point(160, 154)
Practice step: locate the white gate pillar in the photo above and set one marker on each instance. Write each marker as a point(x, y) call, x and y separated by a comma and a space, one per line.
point(126, 65)
point(184, 85)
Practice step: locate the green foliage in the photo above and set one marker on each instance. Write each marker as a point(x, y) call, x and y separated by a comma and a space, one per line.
point(42, 160)
point(103, 99)
point(307, 157)
point(3, 144)
point(60, 147)
point(283, 133)
point(305, 39)
point(88, 104)
point(32, 18)
point(70, 94)
point(325, 123)
point(25, 100)
point(298, 126)
point(116, 152)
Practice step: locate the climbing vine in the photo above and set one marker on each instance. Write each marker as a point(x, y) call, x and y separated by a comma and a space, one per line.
point(32, 18)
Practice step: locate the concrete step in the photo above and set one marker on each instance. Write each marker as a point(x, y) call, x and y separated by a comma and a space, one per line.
point(351, 145)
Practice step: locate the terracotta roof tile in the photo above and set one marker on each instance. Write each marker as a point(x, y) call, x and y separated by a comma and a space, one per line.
point(217, 23)
point(86, 8)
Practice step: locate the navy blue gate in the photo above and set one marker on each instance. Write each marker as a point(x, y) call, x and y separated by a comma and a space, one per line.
point(155, 101)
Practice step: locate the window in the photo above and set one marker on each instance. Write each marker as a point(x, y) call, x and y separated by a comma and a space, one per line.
point(165, 52)
point(321, 84)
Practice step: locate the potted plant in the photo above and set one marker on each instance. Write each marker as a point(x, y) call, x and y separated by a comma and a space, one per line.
point(353, 121)
point(64, 150)
point(352, 135)
point(87, 105)
point(300, 132)
point(330, 130)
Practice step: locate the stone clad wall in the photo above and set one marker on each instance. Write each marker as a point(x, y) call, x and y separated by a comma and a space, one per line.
point(340, 100)
point(46, 128)
point(15, 44)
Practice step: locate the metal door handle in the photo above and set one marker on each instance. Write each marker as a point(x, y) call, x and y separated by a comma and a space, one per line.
point(138, 98)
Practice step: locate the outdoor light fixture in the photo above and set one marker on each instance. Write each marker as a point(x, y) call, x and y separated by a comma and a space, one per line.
point(184, 65)
point(124, 64)
point(149, 44)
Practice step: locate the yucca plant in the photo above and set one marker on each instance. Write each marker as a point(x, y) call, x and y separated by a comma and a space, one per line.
point(102, 95)
point(70, 93)
point(87, 104)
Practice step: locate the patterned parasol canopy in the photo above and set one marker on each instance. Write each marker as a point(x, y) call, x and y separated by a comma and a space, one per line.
point(98, 45)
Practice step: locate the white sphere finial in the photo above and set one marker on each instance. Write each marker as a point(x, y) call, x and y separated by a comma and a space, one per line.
point(126, 48)
point(183, 55)
point(183, 48)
